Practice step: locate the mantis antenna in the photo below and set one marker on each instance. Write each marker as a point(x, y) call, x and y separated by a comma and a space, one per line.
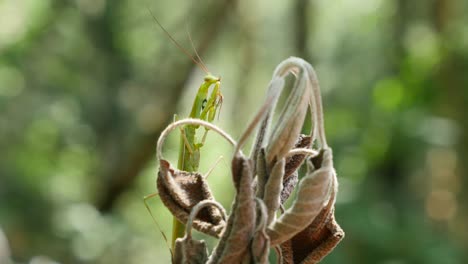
point(197, 62)
point(194, 49)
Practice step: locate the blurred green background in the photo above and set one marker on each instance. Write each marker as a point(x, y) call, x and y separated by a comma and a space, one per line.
point(86, 87)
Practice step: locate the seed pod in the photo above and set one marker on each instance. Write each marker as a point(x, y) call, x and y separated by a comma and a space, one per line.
point(313, 194)
point(180, 191)
point(233, 246)
point(188, 250)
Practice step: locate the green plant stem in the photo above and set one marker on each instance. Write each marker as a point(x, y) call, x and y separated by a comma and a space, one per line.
point(186, 162)
point(178, 230)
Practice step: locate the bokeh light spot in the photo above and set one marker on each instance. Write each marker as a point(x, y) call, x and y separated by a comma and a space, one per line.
point(388, 94)
point(441, 205)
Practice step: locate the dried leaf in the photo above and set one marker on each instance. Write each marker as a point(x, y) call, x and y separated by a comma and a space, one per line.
point(288, 186)
point(262, 173)
point(273, 93)
point(188, 250)
point(233, 246)
point(291, 120)
point(294, 162)
point(273, 188)
point(261, 242)
point(313, 194)
point(315, 242)
point(290, 178)
point(180, 191)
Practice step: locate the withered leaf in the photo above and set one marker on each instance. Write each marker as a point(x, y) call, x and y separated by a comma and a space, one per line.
point(261, 242)
point(293, 163)
point(273, 188)
point(233, 246)
point(262, 173)
point(188, 250)
point(180, 191)
point(315, 242)
point(290, 178)
point(288, 186)
point(287, 130)
point(274, 91)
point(313, 193)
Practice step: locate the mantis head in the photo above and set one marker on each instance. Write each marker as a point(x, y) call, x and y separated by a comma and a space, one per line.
point(211, 79)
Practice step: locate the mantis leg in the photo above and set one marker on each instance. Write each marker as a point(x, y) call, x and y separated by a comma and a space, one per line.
point(186, 142)
point(184, 136)
point(213, 166)
point(204, 137)
point(145, 201)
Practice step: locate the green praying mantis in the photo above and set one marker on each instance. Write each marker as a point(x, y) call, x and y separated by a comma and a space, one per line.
point(206, 106)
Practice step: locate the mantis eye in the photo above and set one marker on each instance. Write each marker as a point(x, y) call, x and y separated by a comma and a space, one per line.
point(203, 105)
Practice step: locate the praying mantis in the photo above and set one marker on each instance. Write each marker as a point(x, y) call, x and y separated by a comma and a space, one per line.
point(206, 106)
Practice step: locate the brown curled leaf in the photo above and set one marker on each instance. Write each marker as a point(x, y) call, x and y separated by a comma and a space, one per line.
point(262, 173)
point(274, 91)
point(291, 120)
point(315, 242)
point(273, 188)
point(294, 162)
point(313, 194)
point(327, 239)
point(233, 247)
point(290, 170)
point(288, 186)
point(180, 191)
point(188, 250)
point(261, 242)
point(291, 175)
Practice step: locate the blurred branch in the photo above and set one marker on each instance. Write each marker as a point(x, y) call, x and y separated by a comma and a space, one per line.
point(247, 34)
point(451, 101)
point(391, 168)
point(301, 26)
point(122, 176)
point(397, 51)
point(441, 14)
